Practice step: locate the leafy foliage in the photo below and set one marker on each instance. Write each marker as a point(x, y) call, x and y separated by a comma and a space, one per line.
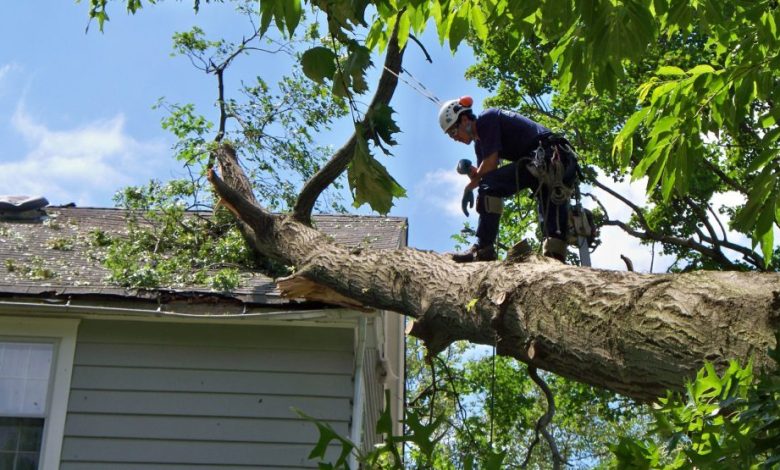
point(721, 421)
point(675, 213)
point(369, 180)
point(166, 245)
point(593, 46)
point(273, 129)
point(491, 416)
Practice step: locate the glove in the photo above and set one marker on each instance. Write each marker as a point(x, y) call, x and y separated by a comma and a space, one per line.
point(467, 201)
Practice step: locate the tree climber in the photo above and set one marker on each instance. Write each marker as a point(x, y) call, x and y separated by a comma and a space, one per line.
point(539, 160)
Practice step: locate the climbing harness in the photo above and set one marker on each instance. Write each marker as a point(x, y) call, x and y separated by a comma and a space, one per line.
point(552, 175)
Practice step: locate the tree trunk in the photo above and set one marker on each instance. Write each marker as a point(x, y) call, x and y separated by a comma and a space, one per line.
point(636, 334)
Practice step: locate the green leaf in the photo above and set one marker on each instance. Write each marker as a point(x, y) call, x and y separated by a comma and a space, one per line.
point(404, 24)
point(327, 435)
point(495, 460)
point(763, 158)
point(266, 16)
point(340, 86)
point(479, 22)
point(670, 71)
point(459, 26)
point(767, 120)
point(669, 177)
point(422, 434)
point(623, 145)
point(384, 424)
point(355, 66)
point(319, 63)
point(369, 180)
point(762, 187)
point(661, 90)
point(292, 14)
point(764, 232)
point(700, 69)
point(381, 122)
point(377, 36)
point(663, 126)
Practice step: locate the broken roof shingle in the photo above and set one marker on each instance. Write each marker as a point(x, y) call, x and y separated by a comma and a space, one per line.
point(59, 261)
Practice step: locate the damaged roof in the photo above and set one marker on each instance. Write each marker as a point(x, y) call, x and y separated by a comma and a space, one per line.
point(53, 258)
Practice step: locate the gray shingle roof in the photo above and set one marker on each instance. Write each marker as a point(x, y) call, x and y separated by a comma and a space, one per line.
point(55, 258)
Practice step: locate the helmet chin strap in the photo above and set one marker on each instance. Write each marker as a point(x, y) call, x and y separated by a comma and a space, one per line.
point(470, 130)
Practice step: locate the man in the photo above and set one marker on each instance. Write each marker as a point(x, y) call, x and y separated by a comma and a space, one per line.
point(539, 160)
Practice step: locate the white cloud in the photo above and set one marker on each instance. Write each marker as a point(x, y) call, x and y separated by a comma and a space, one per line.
point(614, 241)
point(84, 165)
point(5, 72)
point(442, 191)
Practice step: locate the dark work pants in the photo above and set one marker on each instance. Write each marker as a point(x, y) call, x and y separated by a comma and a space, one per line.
point(506, 181)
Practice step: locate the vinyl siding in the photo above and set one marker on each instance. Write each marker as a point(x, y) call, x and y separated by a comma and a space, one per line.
point(149, 395)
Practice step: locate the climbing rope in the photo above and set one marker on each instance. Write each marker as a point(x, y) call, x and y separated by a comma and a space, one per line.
point(492, 395)
point(415, 85)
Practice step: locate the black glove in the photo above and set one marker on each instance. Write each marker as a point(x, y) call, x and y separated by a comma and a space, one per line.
point(467, 201)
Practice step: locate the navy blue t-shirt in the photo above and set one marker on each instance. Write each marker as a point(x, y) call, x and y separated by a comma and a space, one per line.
point(508, 133)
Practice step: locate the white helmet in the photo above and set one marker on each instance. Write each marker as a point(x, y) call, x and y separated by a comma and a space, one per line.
point(450, 110)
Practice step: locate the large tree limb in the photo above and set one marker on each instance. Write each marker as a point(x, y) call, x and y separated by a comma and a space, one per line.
point(636, 334)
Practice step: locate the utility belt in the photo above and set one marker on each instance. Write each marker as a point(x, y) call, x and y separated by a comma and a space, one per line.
point(551, 138)
point(554, 164)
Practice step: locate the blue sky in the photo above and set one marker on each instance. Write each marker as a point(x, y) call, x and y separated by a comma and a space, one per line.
point(77, 124)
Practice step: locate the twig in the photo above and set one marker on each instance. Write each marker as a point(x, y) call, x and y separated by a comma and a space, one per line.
point(460, 407)
point(544, 420)
point(652, 256)
point(417, 41)
point(433, 393)
point(638, 210)
point(629, 263)
point(720, 224)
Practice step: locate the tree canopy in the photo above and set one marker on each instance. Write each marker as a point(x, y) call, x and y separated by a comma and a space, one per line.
point(726, 93)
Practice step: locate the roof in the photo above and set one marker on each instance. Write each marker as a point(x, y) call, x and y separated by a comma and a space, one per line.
point(49, 271)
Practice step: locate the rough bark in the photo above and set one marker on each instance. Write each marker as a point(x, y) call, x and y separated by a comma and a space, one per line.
point(635, 334)
point(632, 333)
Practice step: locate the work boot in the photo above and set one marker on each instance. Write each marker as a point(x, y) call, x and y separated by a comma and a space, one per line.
point(475, 253)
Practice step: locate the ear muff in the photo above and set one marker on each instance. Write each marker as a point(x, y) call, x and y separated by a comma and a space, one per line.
point(466, 101)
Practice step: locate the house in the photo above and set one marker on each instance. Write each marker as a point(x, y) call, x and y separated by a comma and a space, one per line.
point(95, 376)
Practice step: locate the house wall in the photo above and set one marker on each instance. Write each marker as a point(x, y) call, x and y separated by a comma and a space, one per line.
point(383, 371)
point(152, 395)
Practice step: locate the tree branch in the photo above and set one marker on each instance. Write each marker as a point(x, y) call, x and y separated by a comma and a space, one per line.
point(420, 45)
point(637, 210)
point(725, 178)
point(544, 420)
point(714, 253)
point(677, 241)
point(636, 334)
point(338, 163)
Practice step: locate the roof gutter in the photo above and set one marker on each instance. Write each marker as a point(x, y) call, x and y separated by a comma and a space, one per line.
point(248, 312)
point(356, 435)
